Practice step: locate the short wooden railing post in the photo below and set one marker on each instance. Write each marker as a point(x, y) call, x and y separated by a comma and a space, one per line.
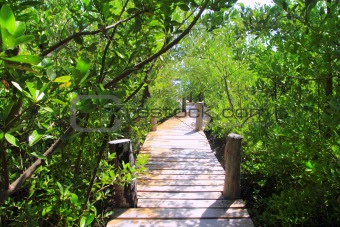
point(153, 124)
point(199, 117)
point(125, 196)
point(232, 157)
point(184, 104)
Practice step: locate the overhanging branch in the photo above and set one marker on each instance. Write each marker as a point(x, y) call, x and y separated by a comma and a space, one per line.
point(78, 34)
point(159, 53)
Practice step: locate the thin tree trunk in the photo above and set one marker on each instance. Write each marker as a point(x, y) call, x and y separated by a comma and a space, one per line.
point(228, 93)
point(5, 171)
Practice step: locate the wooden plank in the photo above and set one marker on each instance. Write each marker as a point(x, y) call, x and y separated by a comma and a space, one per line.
point(181, 182)
point(246, 222)
point(183, 156)
point(183, 177)
point(200, 162)
point(186, 172)
point(175, 188)
point(184, 167)
point(180, 213)
point(175, 149)
point(180, 195)
point(190, 203)
point(211, 159)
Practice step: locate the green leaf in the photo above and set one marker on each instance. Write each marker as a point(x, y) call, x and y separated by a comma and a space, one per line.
point(58, 101)
point(83, 65)
point(39, 95)
point(89, 219)
point(86, 2)
point(309, 165)
point(184, 7)
point(62, 79)
point(60, 188)
point(24, 39)
point(35, 137)
point(51, 73)
point(30, 59)
point(7, 19)
point(73, 198)
point(12, 140)
point(82, 221)
point(1, 134)
point(20, 29)
point(8, 40)
point(39, 156)
point(31, 88)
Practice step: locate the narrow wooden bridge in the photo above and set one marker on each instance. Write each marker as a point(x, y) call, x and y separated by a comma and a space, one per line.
point(184, 183)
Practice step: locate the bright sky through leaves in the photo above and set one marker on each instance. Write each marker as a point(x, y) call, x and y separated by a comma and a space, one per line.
point(251, 3)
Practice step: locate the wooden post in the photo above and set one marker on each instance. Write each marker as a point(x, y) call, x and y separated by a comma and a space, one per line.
point(184, 105)
point(125, 196)
point(199, 118)
point(153, 124)
point(232, 157)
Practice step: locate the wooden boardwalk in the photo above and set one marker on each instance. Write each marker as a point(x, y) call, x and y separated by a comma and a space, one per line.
point(184, 184)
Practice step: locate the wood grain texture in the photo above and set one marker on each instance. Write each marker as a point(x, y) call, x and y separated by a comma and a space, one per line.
point(190, 203)
point(246, 222)
point(179, 213)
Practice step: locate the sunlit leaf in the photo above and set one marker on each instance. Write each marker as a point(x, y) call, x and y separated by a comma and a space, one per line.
point(62, 79)
point(39, 156)
point(8, 40)
point(7, 19)
point(31, 88)
point(83, 65)
point(39, 95)
point(89, 219)
point(16, 85)
point(21, 28)
point(25, 39)
point(12, 140)
point(73, 198)
point(30, 59)
point(82, 221)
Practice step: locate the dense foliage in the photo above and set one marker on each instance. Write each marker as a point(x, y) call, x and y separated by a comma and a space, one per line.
point(54, 51)
point(271, 74)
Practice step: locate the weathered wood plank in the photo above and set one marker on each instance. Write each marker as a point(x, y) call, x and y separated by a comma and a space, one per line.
point(180, 213)
point(181, 182)
point(190, 203)
point(186, 159)
point(183, 156)
point(151, 176)
point(184, 167)
point(200, 162)
point(176, 188)
point(180, 195)
point(187, 172)
point(181, 223)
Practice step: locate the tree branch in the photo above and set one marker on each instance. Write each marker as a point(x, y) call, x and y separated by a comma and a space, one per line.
point(28, 173)
point(159, 53)
point(78, 34)
point(101, 74)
